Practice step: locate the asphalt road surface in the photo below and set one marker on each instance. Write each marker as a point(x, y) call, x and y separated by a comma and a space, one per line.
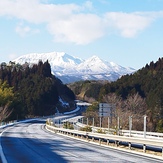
point(30, 142)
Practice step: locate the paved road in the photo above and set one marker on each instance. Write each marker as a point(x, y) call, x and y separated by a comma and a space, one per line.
point(31, 143)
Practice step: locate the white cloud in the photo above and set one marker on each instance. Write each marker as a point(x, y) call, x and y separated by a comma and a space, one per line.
point(22, 30)
point(104, 1)
point(88, 5)
point(128, 24)
point(74, 23)
point(78, 29)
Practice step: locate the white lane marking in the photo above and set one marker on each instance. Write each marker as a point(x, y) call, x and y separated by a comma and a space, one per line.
point(1, 150)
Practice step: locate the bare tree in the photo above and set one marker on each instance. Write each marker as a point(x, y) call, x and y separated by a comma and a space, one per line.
point(136, 107)
point(136, 104)
point(5, 112)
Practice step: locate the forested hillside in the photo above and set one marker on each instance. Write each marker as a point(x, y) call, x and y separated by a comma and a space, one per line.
point(32, 91)
point(137, 94)
point(87, 90)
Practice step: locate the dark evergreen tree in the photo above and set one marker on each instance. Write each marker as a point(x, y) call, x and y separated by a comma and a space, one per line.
point(36, 90)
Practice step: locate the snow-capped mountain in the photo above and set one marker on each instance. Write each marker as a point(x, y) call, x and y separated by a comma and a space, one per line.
point(70, 69)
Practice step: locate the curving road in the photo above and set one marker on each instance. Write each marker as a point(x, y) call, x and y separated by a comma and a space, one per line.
point(30, 142)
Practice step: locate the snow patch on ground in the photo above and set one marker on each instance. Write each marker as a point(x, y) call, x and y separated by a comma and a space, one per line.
point(64, 104)
point(73, 111)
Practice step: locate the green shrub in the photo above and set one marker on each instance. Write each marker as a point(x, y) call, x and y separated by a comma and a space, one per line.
point(68, 125)
point(101, 131)
point(86, 128)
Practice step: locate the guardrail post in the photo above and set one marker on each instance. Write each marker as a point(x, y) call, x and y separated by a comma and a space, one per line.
point(100, 141)
point(107, 141)
point(116, 143)
point(87, 138)
point(162, 151)
point(129, 145)
point(144, 148)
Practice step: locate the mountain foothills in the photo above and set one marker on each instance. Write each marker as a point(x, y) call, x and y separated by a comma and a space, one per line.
point(136, 95)
point(27, 91)
point(70, 69)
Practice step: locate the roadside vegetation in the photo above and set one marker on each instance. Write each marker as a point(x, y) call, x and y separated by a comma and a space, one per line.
point(6, 99)
point(136, 95)
point(86, 128)
point(68, 125)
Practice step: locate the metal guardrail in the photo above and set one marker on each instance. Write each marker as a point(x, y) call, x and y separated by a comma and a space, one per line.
point(133, 133)
point(154, 134)
point(4, 124)
point(129, 140)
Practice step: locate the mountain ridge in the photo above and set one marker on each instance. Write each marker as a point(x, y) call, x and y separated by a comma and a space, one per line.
point(70, 69)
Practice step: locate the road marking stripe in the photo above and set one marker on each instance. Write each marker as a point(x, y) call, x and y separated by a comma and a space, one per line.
point(1, 150)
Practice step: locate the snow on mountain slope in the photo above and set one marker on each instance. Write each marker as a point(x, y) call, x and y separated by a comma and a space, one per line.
point(70, 69)
point(60, 59)
point(93, 65)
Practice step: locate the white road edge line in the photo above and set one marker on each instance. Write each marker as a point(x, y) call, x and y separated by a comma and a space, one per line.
point(1, 150)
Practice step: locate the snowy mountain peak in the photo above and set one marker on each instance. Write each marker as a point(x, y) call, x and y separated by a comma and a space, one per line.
point(60, 59)
point(69, 68)
point(94, 58)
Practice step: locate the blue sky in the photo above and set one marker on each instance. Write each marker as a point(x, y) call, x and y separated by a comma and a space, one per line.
point(127, 32)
